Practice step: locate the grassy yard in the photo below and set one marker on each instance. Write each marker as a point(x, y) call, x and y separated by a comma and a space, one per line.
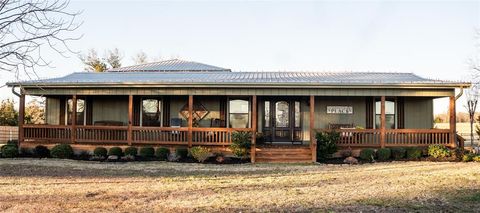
point(58, 185)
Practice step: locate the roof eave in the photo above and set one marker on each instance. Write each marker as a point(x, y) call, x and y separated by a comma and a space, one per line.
point(241, 85)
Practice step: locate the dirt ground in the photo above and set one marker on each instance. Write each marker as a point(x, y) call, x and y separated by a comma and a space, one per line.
point(49, 185)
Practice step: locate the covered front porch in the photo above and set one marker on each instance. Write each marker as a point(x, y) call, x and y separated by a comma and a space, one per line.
point(207, 120)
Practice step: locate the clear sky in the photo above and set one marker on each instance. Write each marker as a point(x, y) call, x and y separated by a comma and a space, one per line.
point(431, 39)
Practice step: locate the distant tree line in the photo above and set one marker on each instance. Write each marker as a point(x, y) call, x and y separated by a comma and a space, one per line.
point(34, 113)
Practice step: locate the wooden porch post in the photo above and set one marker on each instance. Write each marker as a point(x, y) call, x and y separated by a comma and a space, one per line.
point(382, 122)
point(21, 118)
point(313, 143)
point(190, 120)
point(254, 128)
point(74, 118)
point(130, 119)
point(452, 118)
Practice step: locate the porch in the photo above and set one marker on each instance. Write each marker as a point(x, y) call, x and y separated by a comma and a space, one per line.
point(188, 120)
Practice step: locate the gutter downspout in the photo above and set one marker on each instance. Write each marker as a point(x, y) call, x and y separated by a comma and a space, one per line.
point(459, 94)
point(15, 92)
point(455, 135)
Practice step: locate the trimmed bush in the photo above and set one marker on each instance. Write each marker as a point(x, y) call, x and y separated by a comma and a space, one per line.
point(117, 151)
point(200, 153)
point(100, 152)
point(147, 152)
point(384, 154)
point(41, 151)
point(181, 152)
point(241, 143)
point(326, 144)
point(413, 153)
point(9, 151)
point(131, 150)
point(367, 154)
point(62, 151)
point(162, 153)
point(476, 158)
point(438, 151)
point(468, 157)
point(398, 153)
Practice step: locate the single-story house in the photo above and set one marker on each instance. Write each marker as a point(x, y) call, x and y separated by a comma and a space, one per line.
point(184, 103)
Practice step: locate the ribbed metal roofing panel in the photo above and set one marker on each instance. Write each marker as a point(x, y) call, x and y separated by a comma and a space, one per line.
point(174, 65)
point(255, 78)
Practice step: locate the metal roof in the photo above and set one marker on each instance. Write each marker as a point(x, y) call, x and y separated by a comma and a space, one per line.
point(174, 65)
point(241, 79)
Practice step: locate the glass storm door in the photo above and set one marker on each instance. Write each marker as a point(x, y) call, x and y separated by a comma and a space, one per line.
point(282, 121)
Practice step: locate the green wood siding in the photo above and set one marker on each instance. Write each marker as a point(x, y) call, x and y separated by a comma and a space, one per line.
point(110, 109)
point(52, 111)
point(418, 113)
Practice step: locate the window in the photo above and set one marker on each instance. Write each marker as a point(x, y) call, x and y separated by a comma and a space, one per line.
point(297, 114)
point(151, 112)
point(239, 114)
point(281, 114)
point(80, 112)
point(267, 113)
point(390, 116)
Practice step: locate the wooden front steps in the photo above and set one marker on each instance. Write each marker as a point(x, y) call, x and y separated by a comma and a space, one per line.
point(283, 154)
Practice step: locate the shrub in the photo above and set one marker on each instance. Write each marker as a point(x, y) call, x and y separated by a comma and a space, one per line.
point(117, 151)
point(100, 152)
point(181, 152)
point(131, 150)
point(476, 158)
point(41, 151)
point(62, 151)
point(413, 153)
point(367, 154)
point(468, 157)
point(162, 153)
point(384, 154)
point(200, 153)
point(438, 151)
point(326, 144)
point(398, 153)
point(147, 152)
point(241, 143)
point(9, 151)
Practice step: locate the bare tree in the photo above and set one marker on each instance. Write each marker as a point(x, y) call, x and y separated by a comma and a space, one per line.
point(114, 58)
point(140, 58)
point(27, 27)
point(93, 62)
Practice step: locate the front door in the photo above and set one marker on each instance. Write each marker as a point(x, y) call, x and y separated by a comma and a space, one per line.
point(282, 121)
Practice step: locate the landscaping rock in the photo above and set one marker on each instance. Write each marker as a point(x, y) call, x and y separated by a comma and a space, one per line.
point(173, 157)
point(128, 158)
point(350, 160)
point(112, 158)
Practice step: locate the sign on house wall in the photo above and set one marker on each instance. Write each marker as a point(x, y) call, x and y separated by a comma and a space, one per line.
point(339, 109)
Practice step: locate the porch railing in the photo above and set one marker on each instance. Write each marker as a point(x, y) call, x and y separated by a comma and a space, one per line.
point(47, 133)
point(140, 135)
point(393, 137)
point(160, 135)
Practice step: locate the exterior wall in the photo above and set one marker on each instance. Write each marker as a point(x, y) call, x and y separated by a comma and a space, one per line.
point(212, 104)
point(110, 108)
point(418, 113)
point(52, 116)
point(322, 119)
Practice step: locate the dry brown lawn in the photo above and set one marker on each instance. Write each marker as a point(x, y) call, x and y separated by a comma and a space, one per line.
point(31, 185)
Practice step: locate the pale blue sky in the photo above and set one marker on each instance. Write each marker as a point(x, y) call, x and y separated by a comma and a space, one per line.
point(431, 39)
